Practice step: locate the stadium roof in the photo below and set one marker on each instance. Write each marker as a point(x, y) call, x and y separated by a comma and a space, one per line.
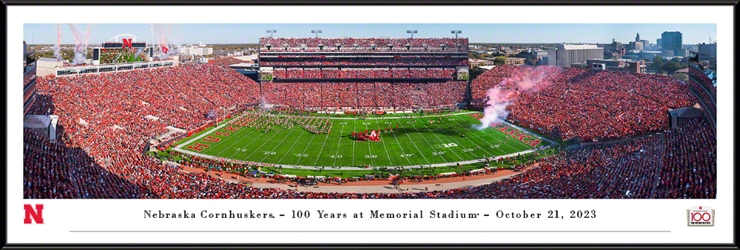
point(244, 64)
point(688, 112)
point(247, 57)
point(226, 61)
point(36, 121)
point(47, 59)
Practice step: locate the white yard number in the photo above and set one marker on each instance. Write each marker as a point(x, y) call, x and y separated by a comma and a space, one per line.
point(494, 146)
point(269, 152)
point(241, 149)
point(365, 123)
point(371, 156)
point(342, 123)
point(387, 123)
point(438, 153)
point(407, 155)
point(335, 156)
point(301, 155)
point(449, 145)
point(468, 150)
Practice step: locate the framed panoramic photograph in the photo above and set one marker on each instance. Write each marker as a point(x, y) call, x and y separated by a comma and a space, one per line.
point(463, 125)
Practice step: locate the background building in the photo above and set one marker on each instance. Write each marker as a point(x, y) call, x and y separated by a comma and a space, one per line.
point(515, 60)
point(622, 65)
point(479, 62)
point(672, 44)
point(196, 50)
point(565, 55)
point(615, 50)
point(637, 46)
point(707, 51)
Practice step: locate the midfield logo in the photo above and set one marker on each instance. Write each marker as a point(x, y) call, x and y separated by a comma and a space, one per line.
point(700, 216)
point(33, 213)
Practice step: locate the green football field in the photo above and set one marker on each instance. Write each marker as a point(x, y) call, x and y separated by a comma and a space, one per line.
point(415, 142)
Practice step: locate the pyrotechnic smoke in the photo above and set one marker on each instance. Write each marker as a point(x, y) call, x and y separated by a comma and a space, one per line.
point(58, 46)
point(81, 42)
point(266, 106)
point(167, 42)
point(502, 95)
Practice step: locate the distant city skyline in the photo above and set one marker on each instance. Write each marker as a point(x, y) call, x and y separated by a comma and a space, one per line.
point(477, 33)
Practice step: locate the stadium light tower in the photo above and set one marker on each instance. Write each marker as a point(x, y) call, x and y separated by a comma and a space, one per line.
point(317, 32)
point(271, 32)
point(412, 32)
point(456, 32)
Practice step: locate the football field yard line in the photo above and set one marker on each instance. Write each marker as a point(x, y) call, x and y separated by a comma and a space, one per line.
point(309, 145)
point(414, 143)
point(237, 133)
point(368, 147)
point(245, 146)
point(453, 137)
point(503, 142)
point(484, 147)
point(320, 150)
point(338, 142)
point(427, 141)
point(399, 145)
point(467, 145)
point(260, 147)
point(280, 143)
point(440, 141)
point(386, 149)
point(354, 142)
point(291, 147)
point(249, 133)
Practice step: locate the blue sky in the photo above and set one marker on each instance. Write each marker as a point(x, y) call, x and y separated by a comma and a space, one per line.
point(477, 33)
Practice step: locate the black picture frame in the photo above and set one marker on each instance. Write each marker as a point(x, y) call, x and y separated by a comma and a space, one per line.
point(6, 245)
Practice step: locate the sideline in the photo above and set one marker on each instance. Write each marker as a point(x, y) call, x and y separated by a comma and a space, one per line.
point(526, 130)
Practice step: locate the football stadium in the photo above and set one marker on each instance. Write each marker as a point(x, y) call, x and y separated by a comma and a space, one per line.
point(364, 118)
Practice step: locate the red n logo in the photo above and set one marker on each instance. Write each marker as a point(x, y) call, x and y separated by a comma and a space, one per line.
point(164, 50)
point(36, 214)
point(127, 43)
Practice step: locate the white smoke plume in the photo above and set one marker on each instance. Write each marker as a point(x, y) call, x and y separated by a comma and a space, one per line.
point(165, 39)
point(58, 46)
point(81, 42)
point(506, 92)
point(265, 105)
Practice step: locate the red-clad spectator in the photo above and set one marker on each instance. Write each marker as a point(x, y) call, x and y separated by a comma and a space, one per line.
point(571, 102)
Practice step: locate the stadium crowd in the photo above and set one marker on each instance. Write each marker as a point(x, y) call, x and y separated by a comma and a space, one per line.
point(106, 120)
point(594, 105)
point(295, 73)
point(677, 164)
point(29, 76)
point(373, 62)
point(699, 75)
point(356, 95)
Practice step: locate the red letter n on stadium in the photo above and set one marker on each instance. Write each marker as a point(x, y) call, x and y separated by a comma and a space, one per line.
point(35, 214)
point(127, 43)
